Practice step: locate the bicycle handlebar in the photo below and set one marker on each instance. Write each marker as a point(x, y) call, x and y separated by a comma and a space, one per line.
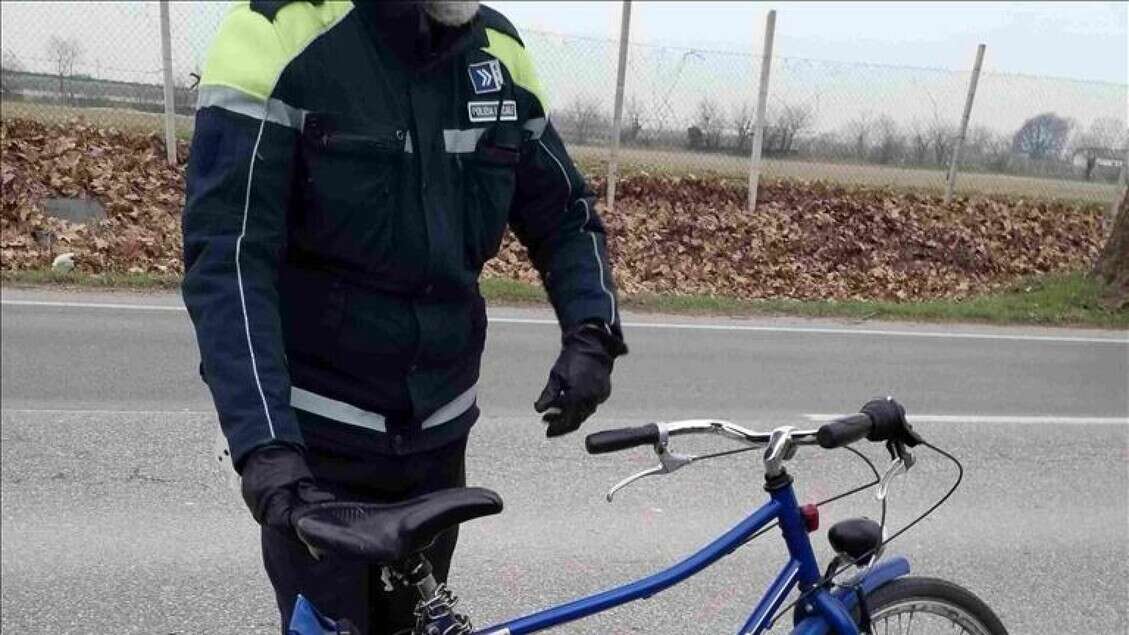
point(879, 420)
point(844, 431)
point(621, 439)
point(618, 439)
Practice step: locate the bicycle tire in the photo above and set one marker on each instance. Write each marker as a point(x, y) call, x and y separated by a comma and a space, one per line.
point(899, 601)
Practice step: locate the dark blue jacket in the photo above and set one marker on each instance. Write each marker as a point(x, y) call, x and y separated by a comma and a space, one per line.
point(342, 198)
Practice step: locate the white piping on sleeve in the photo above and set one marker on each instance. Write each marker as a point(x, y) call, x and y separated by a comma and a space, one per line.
point(599, 262)
point(247, 207)
point(239, 274)
point(587, 218)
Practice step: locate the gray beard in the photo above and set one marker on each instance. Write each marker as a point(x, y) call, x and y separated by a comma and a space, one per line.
point(451, 12)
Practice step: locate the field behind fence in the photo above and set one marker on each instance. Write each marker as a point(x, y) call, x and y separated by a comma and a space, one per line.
point(685, 110)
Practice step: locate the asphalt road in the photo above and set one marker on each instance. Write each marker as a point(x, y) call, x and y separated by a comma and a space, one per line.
point(114, 519)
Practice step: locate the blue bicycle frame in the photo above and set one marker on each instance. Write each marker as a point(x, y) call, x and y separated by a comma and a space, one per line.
point(824, 611)
point(831, 612)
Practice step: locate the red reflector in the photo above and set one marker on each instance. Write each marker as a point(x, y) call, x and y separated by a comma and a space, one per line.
point(811, 517)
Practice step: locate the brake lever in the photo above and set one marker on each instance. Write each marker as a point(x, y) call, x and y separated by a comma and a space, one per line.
point(668, 462)
point(896, 469)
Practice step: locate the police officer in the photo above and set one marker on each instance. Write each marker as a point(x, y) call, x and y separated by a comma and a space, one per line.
point(353, 168)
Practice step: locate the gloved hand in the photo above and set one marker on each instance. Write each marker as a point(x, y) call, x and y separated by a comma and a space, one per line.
point(580, 379)
point(276, 483)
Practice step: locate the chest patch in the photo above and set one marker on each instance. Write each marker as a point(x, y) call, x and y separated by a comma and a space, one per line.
point(486, 77)
point(489, 111)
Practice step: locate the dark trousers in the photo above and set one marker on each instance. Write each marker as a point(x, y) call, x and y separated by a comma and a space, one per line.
point(341, 588)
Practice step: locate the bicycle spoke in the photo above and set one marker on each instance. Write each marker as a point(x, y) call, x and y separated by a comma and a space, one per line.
point(925, 617)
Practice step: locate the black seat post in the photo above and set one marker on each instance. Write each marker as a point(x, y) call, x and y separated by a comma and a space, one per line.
point(435, 611)
point(416, 571)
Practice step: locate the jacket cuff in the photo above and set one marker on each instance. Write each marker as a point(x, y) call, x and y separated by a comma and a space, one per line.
point(609, 336)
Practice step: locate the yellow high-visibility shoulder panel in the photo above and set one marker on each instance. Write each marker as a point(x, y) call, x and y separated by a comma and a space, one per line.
point(249, 52)
point(516, 59)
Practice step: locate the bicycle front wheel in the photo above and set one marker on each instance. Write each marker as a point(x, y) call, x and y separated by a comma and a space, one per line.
point(924, 606)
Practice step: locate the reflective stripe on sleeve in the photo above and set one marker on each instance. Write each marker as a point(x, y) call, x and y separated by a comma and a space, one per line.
point(536, 127)
point(237, 101)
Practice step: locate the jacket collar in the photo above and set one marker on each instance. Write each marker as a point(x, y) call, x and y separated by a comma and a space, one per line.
point(417, 41)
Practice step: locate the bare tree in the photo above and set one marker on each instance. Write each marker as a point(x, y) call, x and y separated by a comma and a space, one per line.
point(1042, 136)
point(975, 142)
point(10, 62)
point(63, 53)
point(919, 142)
point(997, 152)
point(858, 133)
point(793, 120)
point(1104, 138)
point(942, 136)
point(742, 122)
point(584, 114)
point(632, 131)
point(786, 124)
point(711, 123)
point(890, 146)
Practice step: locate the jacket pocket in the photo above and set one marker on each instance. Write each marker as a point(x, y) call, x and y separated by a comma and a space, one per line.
point(488, 181)
point(352, 186)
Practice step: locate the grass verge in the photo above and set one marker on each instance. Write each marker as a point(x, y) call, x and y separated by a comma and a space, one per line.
point(1056, 300)
point(79, 280)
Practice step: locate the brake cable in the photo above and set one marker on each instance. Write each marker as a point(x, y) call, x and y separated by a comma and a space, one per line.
point(827, 579)
point(860, 488)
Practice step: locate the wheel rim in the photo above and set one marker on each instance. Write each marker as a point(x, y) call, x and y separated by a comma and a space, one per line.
point(921, 616)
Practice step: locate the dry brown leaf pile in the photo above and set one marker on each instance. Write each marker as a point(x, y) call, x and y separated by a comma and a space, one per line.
point(668, 234)
point(814, 240)
point(125, 172)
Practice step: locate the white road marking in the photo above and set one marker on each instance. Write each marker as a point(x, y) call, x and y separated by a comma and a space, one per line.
point(815, 330)
point(96, 305)
point(997, 419)
point(148, 413)
point(820, 418)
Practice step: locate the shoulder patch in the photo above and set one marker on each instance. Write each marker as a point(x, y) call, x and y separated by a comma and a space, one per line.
point(492, 19)
point(270, 8)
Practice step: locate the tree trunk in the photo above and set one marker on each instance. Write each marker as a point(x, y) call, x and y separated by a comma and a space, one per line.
point(1113, 263)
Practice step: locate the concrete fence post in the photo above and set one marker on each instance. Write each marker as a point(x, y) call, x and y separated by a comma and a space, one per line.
point(951, 182)
point(762, 102)
point(617, 116)
point(166, 63)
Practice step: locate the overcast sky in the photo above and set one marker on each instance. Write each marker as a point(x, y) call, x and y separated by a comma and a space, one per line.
point(1082, 40)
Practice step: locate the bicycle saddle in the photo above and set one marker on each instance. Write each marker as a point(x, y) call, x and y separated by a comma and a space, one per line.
point(387, 533)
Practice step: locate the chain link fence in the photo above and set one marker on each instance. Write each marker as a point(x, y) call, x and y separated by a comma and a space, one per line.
point(101, 61)
point(693, 111)
point(686, 110)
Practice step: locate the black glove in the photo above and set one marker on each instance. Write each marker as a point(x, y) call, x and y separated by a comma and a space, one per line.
point(580, 380)
point(276, 483)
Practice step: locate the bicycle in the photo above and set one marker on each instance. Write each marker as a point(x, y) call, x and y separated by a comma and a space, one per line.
point(878, 591)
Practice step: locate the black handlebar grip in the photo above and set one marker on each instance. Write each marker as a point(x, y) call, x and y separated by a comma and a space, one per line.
point(889, 419)
point(844, 431)
point(621, 439)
